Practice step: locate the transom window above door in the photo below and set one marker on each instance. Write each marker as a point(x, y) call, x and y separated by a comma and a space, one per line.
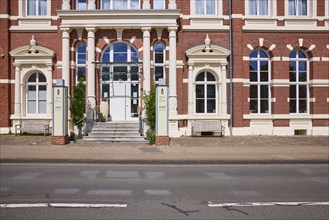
point(122, 59)
point(205, 93)
point(120, 4)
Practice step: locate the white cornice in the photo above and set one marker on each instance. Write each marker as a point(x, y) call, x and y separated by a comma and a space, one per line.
point(119, 18)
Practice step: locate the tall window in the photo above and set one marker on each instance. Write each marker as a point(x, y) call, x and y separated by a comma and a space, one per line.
point(259, 68)
point(299, 85)
point(297, 7)
point(158, 4)
point(205, 93)
point(258, 7)
point(205, 7)
point(81, 4)
point(159, 60)
point(120, 4)
point(36, 7)
point(80, 62)
point(36, 94)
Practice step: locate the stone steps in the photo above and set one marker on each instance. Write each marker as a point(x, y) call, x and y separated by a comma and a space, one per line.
point(115, 132)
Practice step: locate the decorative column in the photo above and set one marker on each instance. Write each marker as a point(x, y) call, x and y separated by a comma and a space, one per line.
point(190, 89)
point(146, 59)
point(17, 91)
point(66, 56)
point(146, 4)
point(66, 5)
point(49, 90)
point(91, 98)
point(91, 5)
point(172, 4)
point(172, 72)
point(223, 92)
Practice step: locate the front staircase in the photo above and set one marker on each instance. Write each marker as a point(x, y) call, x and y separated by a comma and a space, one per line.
point(115, 132)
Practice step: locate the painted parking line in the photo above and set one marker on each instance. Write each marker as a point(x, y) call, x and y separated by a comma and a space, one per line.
point(63, 205)
point(258, 204)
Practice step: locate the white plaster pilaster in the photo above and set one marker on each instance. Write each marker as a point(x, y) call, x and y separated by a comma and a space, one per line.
point(146, 59)
point(17, 91)
point(190, 90)
point(49, 90)
point(66, 5)
point(172, 72)
point(91, 66)
point(172, 4)
point(223, 92)
point(66, 56)
point(91, 5)
point(146, 4)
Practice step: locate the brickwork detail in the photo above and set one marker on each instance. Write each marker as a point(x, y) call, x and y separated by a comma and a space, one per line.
point(60, 140)
point(162, 140)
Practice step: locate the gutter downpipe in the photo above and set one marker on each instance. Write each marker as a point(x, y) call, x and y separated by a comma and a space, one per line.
point(231, 68)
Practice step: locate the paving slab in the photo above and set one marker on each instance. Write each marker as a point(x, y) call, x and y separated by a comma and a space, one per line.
point(208, 150)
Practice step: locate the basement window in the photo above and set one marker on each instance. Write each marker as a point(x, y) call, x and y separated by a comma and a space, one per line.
point(300, 132)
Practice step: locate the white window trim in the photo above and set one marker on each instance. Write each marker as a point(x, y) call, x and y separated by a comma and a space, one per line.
point(128, 4)
point(311, 10)
point(271, 10)
point(297, 83)
point(218, 10)
point(259, 83)
point(37, 84)
point(205, 83)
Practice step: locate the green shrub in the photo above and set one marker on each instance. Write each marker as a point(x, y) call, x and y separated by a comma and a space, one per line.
point(149, 106)
point(78, 102)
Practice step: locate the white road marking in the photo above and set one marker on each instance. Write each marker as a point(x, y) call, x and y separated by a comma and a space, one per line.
point(109, 192)
point(66, 191)
point(63, 205)
point(122, 174)
point(157, 192)
point(250, 204)
point(27, 176)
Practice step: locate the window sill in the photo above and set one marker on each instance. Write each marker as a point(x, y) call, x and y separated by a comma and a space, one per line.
point(34, 23)
point(212, 22)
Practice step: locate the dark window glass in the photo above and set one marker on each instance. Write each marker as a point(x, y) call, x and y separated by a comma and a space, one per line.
point(200, 77)
point(33, 78)
point(200, 106)
point(199, 91)
point(210, 77)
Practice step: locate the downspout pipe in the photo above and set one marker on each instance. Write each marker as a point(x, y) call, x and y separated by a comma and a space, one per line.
point(231, 67)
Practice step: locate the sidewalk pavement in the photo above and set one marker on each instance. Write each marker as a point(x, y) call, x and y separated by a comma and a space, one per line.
point(185, 150)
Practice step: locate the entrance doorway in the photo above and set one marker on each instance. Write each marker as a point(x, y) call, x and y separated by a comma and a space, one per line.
point(120, 86)
point(120, 81)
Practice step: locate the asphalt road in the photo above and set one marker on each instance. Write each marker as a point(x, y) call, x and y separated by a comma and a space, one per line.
point(79, 191)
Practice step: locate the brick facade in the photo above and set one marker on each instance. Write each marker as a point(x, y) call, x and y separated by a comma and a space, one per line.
point(277, 39)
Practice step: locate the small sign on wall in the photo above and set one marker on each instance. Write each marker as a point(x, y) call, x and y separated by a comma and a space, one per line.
point(60, 111)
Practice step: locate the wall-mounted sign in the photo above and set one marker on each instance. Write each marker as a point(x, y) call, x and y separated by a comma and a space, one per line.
point(162, 112)
point(60, 111)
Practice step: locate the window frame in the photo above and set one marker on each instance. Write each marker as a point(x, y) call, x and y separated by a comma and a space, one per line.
point(128, 3)
point(109, 50)
point(37, 84)
point(247, 11)
point(163, 64)
point(85, 4)
point(308, 9)
point(298, 83)
point(205, 83)
point(26, 13)
point(163, 6)
point(194, 8)
point(80, 65)
point(260, 83)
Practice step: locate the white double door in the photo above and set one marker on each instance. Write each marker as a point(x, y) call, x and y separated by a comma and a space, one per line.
point(123, 100)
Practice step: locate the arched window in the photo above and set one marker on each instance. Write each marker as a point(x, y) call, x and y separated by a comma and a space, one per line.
point(159, 51)
point(80, 73)
point(299, 81)
point(120, 4)
point(259, 68)
point(205, 93)
point(36, 95)
point(123, 56)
